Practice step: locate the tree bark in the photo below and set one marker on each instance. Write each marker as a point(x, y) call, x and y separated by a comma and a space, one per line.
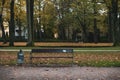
point(12, 24)
point(110, 25)
point(95, 23)
point(30, 5)
point(114, 22)
point(1, 23)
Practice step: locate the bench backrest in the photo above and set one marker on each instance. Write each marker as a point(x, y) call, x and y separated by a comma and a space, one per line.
point(52, 51)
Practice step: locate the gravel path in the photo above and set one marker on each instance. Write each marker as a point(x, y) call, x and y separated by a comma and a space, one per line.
point(60, 73)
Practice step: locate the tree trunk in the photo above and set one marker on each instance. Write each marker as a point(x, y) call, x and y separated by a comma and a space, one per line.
point(39, 23)
point(30, 6)
point(119, 27)
point(114, 22)
point(2, 28)
point(95, 23)
point(19, 29)
point(1, 23)
point(110, 26)
point(84, 28)
point(61, 32)
point(12, 25)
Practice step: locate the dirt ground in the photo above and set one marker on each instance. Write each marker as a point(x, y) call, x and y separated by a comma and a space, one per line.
point(57, 44)
point(59, 73)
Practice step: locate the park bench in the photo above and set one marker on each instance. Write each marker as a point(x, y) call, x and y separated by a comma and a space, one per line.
point(68, 53)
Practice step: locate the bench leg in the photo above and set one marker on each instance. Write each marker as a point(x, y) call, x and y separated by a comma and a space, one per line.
point(30, 58)
point(72, 59)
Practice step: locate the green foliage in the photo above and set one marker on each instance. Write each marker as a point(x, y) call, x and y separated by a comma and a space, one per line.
point(54, 14)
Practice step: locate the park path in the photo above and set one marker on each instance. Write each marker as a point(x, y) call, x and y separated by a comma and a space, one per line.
point(57, 44)
point(59, 73)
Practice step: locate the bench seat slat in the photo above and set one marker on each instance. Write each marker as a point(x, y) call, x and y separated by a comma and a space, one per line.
point(51, 57)
point(65, 51)
point(52, 51)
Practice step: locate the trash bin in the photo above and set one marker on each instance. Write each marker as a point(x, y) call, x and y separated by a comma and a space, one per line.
point(20, 57)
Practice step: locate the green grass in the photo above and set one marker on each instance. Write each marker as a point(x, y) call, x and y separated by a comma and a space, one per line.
point(100, 63)
point(98, 59)
point(95, 59)
point(19, 47)
point(98, 48)
point(82, 48)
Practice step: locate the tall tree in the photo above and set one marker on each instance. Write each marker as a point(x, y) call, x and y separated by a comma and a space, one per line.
point(48, 18)
point(30, 5)
point(18, 17)
point(114, 22)
point(83, 9)
point(63, 10)
point(12, 24)
point(95, 22)
point(1, 20)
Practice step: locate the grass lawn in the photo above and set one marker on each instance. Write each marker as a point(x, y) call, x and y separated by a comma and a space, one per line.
point(95, 59)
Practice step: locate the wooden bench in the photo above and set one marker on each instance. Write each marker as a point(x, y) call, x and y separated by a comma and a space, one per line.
point(69, 54)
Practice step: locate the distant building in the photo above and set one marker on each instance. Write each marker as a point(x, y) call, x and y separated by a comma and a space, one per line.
point(6, 27)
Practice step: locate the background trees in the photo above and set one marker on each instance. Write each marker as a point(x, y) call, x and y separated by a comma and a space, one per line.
point(113, 16)
point(2, 2)
point(91, 20)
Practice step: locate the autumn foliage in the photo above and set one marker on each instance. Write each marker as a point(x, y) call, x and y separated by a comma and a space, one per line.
point(80, 58)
